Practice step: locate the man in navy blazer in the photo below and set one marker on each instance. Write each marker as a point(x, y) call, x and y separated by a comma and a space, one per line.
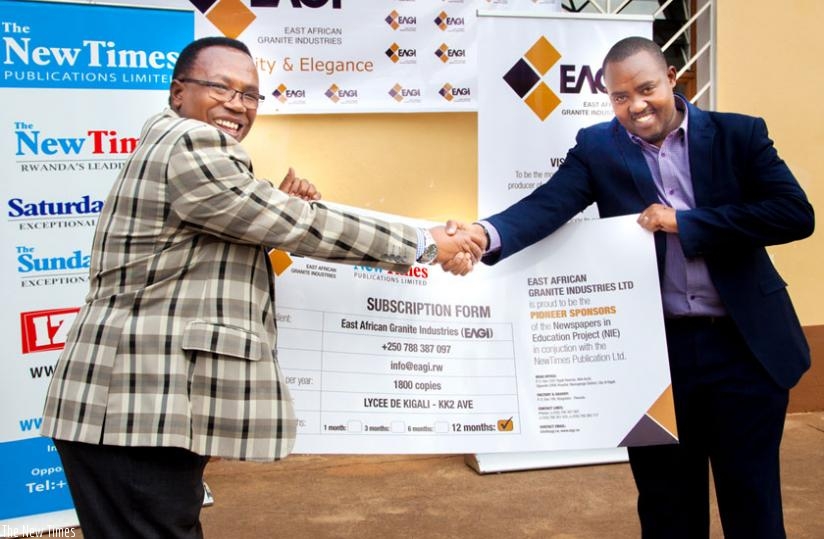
point(714, 191)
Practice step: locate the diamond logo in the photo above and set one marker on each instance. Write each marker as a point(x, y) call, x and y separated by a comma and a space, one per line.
point(392, 52)
point(332, 93)
point(396, 93)
point(441, 53)
point(440, 20)
point(525, 78)
point(231, 17)
point(280, 93)
point(446, 92)
point(392, 20)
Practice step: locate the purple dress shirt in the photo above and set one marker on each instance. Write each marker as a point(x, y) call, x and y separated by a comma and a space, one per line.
point(687, 289)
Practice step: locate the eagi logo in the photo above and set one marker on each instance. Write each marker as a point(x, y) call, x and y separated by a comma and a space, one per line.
point(454, 93)
point(447, 54)
point(231, 17)
point(399, 93)
point(402, 23)
point(283, 94)
point(336, 94)
point(398, 54)
point(527, 78)
point(449, 24)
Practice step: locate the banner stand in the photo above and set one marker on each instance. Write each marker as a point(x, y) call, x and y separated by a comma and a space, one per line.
point(520, 55)
point(485, 463)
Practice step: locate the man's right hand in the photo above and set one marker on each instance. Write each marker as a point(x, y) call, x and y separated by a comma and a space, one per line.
point(458, 263)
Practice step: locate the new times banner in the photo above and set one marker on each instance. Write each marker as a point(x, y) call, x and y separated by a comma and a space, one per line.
point(78, 82)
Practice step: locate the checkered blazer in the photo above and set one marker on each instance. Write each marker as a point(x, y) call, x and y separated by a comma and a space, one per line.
point(176, 343)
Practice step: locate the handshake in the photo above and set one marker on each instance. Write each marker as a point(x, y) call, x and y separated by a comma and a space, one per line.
point(460, 246)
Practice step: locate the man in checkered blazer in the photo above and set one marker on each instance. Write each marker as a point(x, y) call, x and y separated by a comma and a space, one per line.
point(172, 359)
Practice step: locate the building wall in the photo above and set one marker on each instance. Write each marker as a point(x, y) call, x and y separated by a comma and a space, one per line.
point(768, 64)
point(419, 165)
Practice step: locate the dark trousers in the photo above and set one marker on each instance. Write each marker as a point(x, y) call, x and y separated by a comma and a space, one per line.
point(730, 416)
point(134, 492)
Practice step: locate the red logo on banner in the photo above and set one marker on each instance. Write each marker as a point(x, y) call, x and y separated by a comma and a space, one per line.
point(46, 330)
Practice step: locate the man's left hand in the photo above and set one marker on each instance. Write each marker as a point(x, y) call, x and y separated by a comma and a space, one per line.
point(659, 217)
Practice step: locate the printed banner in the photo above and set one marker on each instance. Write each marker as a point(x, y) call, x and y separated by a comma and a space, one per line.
point(348, 56)
point(355, 56)
point(539, 82)
point(78, 81)
point(558, 347)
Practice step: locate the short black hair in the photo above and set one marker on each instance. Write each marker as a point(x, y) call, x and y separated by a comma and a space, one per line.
point(188, 55)
point(630, 46)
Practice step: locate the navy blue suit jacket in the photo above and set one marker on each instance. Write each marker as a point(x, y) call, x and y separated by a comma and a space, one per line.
point(746, 198)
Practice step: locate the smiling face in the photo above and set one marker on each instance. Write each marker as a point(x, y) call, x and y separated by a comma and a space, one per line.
point(223, 65)
point(640, 89)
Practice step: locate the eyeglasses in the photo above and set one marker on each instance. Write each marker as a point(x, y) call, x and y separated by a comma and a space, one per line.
point(219, 91)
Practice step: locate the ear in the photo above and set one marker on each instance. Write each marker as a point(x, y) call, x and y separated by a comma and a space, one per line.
point(176, 94)
point(672, 76)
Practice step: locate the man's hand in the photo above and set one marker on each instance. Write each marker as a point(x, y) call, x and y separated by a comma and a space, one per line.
point(476, 232)
point(456, 248)
point(659, 217)
point(463, 260)
point(298, 187)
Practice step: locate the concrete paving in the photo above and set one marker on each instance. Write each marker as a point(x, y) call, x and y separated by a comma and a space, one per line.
point(439, 496)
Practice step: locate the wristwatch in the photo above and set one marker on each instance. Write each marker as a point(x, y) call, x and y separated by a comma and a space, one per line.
point(486, 234)
point(430, 248)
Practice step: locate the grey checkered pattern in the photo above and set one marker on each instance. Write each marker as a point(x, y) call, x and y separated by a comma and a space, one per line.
point(175, 345)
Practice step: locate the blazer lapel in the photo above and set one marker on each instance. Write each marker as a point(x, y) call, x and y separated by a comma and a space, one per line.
point(700, 139)
point(639, 170)
point(636, 164)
